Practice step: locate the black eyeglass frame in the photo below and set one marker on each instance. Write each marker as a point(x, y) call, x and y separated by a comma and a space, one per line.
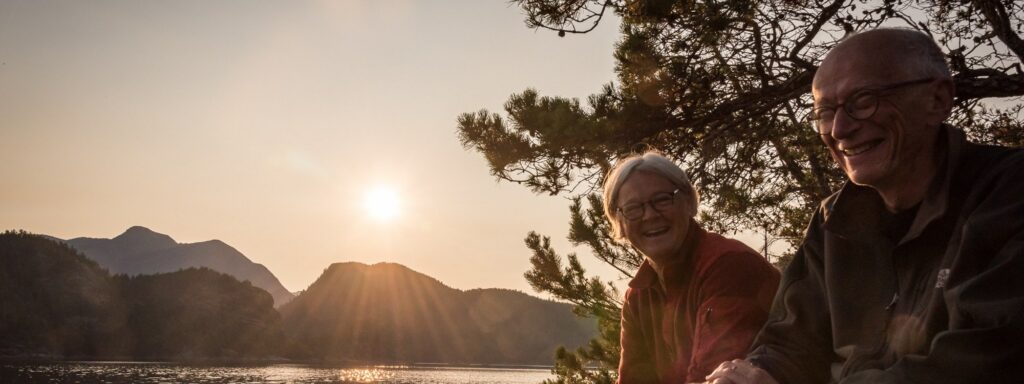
point(818, 121)
point(643, 205)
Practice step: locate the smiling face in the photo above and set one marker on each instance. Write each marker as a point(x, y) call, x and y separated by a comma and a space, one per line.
point(895, 144)
point(658, 235)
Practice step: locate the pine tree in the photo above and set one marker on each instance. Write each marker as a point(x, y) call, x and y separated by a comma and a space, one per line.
point(723, 87)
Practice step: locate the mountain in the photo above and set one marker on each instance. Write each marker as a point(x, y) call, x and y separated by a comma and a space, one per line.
point(197, 313)
point(388, 312)
point(56, 302)
point(140, 250)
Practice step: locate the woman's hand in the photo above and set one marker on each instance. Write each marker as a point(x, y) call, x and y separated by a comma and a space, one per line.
point(739, 371)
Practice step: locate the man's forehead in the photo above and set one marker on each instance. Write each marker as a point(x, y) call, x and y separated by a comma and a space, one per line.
point(842, 83)
point(853, 66)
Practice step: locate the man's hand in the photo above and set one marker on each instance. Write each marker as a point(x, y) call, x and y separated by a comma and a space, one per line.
point(739, 371)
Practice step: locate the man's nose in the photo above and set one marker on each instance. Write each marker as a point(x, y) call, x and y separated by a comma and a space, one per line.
point(843, 125)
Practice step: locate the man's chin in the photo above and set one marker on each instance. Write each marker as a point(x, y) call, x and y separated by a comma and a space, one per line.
point(866, 179)
point(862, 181)
point(864, 176)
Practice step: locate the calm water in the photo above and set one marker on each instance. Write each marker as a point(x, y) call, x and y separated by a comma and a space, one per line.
point(121, 372)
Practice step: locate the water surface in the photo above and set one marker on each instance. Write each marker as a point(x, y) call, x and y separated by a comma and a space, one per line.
point(132, 372)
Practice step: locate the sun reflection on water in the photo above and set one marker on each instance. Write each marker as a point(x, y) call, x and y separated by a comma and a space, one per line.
point(365, 375)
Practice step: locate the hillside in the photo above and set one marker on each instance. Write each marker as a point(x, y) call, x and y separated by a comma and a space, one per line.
point(197, 314)
point(56, 302)
point(141, 251)
point(388, 312)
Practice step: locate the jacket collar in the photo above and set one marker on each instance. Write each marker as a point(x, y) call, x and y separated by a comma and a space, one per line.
point(855, 210)
point(677, 272)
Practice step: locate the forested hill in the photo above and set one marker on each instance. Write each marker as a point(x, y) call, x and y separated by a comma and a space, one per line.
point(388, 312)
point(140, 250)
point(56, 302)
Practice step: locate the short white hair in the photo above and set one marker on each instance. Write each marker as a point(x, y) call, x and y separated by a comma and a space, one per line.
point(650, 161)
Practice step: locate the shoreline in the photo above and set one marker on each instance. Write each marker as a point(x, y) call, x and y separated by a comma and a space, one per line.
point(36, 359)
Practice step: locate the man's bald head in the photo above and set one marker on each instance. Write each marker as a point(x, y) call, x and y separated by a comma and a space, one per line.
point(903, 52)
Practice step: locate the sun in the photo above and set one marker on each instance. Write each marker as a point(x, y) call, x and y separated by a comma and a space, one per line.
point(382, 203)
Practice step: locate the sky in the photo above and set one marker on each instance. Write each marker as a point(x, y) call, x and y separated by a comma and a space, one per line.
point(265, 124)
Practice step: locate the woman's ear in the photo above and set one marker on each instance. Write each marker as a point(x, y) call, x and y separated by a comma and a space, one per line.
point(688, 208)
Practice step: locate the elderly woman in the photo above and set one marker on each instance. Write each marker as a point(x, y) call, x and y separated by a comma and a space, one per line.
point(699, 298)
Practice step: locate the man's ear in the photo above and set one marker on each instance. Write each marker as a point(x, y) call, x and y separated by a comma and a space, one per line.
point(941, 104)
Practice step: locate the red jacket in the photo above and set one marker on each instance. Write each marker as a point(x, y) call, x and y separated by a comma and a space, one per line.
point(718, 297)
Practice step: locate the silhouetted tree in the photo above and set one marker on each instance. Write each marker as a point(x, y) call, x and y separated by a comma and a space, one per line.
point(723, 87)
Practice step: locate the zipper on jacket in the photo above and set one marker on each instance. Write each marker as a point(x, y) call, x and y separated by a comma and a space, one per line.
point(895, 299)
point(884, 342)
point(849, 365)
point(889, 309)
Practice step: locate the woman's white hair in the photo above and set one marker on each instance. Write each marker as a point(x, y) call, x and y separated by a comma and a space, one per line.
point(650, 161)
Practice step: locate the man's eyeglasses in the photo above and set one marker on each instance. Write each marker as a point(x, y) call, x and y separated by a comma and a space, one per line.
point(660, 202)
point(860, 105)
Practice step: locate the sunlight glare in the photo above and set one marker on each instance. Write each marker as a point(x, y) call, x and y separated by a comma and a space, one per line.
point(381, 203)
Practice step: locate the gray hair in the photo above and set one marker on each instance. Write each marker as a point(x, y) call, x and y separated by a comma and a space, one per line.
point(919, 53)
point(650, 161)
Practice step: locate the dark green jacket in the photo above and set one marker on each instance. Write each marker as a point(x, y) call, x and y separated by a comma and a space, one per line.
point(944, 304)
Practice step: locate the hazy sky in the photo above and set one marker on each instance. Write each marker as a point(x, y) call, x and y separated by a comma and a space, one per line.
point(265, 123)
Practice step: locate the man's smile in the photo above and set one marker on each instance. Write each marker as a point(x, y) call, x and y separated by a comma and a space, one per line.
point(861, 148)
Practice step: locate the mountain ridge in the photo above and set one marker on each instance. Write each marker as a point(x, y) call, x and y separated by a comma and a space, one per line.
point(142, 251)
point(353, 312)
point(389, 312)
point(58, 303)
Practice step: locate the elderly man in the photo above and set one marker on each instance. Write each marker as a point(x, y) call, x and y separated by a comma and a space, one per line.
point(913, 272)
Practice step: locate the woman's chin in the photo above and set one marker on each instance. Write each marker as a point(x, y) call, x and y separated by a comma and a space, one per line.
point(660, 250)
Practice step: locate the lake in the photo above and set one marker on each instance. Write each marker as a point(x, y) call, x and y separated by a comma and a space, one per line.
point(138, 372)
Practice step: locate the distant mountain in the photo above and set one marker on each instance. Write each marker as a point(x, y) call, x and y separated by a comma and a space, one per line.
point(140, 250)
point(388, 312)
point(56, 302)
